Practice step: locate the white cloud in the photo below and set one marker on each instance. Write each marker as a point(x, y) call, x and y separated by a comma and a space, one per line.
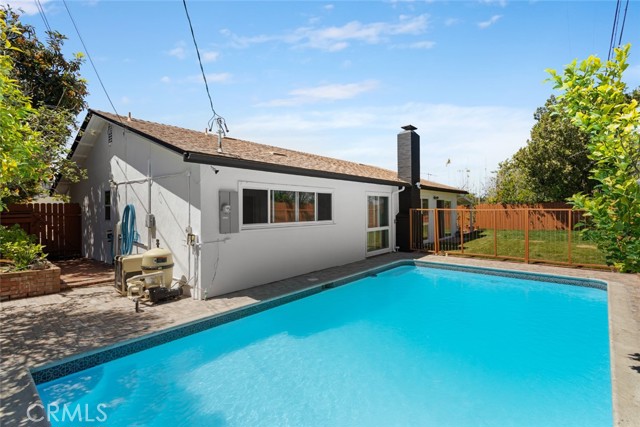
point(475, 137)
point(486, 24)
point(209, 56)
point(125, 100)
point(323, 93)
point(328, 7)
point(451, 22)
point(336, 38)
point(29, 7)
point(425, 44)
point(165, 79)
point(179, 51)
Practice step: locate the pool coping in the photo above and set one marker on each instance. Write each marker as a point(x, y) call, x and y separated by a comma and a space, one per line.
point(75, 363)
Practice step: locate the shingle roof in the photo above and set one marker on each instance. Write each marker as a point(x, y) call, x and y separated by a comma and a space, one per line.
point(203, 148)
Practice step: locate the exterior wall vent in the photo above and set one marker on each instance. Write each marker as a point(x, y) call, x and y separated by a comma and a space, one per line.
point(110, 133)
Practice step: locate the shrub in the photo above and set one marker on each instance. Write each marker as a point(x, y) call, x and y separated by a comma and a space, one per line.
point(595, 99)
point(17, 246)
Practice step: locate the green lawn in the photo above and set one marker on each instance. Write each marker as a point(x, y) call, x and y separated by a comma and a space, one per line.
point(543, 246)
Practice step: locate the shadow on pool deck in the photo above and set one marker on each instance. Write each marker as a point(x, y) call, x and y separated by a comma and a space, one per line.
point(47, 328)
point(636, 357)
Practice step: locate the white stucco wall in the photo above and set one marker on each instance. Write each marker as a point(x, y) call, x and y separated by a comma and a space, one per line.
point(431, 195)
point(220, 263)
point(126, 159)
point(261, 255)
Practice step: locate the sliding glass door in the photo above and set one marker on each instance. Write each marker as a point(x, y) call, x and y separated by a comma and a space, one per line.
point(377, 224)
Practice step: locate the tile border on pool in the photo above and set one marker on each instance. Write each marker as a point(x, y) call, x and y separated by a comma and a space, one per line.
point(525, 275)
point(67, 366)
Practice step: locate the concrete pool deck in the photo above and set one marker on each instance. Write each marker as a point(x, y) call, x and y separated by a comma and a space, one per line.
point(43, 329)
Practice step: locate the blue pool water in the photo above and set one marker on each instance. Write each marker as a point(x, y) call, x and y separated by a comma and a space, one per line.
point(411, 347)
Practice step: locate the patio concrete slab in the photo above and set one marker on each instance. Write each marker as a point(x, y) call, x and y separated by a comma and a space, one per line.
point(84, 272)
point(39, 330)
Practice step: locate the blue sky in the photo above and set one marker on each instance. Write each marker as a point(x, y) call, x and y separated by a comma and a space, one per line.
point(339, 78)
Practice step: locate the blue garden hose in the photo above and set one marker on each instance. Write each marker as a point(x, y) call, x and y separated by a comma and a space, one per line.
point(129, 233)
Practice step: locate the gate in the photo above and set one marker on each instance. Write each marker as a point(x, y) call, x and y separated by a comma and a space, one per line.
point(57, 226)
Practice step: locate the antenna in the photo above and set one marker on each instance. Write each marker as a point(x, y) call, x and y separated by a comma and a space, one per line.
point(222, 131)
point(220, 121)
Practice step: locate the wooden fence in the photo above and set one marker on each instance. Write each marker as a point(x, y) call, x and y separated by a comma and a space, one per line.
point(543, 216)
point(57, 226)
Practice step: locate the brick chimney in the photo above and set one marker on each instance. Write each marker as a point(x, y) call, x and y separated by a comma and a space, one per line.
point(409, 171)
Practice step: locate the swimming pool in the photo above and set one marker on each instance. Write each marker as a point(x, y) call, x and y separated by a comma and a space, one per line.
point(410, 346)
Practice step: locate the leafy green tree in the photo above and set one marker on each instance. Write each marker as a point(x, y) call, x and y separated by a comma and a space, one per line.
point(595, 100)
point(512, 184)
point(56, 90)
point(21, 147)
point(552, 167)
point(555, 159)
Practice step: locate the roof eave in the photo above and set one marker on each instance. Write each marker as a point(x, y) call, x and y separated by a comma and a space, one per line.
point(72, 150)
point(207, 159)
point(139, 132)
point(444, 190)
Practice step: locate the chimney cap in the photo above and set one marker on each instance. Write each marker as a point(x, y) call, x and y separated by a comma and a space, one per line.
point(409, 127)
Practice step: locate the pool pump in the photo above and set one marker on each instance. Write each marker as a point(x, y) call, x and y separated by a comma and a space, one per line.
point(160, 293)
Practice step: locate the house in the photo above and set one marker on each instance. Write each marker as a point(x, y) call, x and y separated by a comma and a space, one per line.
point(236, 214)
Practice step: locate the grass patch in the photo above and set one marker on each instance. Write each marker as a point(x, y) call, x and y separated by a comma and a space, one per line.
point(544, 245)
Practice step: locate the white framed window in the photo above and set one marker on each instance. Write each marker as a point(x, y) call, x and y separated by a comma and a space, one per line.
point(281, 205)
point(378, 228)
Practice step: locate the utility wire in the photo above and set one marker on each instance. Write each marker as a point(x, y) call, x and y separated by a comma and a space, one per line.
point(624, 18)
point(614, 29)
point(220, 120)
point(43, 15)
point(91, 61)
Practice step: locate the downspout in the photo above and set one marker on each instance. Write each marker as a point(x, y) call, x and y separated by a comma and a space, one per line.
point(393, 234)
point(190, 240)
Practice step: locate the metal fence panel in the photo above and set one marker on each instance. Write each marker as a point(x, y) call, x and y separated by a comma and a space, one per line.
point(530, 234)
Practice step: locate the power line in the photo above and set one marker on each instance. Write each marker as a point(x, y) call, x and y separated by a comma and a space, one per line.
point(91, 60)
point(617, 25)
point(219, 119)
point(614, 29)
point(624, 18)
point(43, 15)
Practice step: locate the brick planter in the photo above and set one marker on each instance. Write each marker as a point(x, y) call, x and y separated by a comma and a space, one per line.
point(30, 283)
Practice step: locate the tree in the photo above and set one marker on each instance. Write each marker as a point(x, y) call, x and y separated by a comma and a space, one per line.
point(512, 184)
point(556, 158)
point(56, 91)
point(21, 147)
point(551, 167)
point(595, 100)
